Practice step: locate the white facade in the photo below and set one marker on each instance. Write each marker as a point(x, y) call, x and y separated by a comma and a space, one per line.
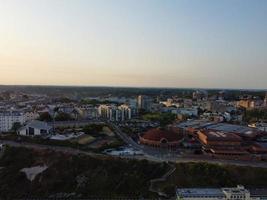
point(8, 118)
point(238, 193)
point(114, 113)
point(35, 128)
point(30, 116)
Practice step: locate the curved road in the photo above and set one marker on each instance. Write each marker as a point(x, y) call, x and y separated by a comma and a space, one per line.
point(150, 154)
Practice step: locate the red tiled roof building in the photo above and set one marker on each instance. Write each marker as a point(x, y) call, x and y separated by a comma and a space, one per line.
point(157, 137)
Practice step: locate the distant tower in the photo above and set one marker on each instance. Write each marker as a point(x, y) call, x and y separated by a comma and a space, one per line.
point(144, 102)
point(265, 100)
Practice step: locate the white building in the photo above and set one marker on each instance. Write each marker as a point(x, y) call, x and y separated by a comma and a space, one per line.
point(8, 118)
point(35, 128)
point(89, 112)
point(30, 116)
point(115, 113)
point(126, 112)
point(238, 193)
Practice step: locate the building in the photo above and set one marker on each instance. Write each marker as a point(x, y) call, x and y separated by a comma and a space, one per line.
point(260, 126)
point(30, 116)
point(158, 137)
point(115, 113)
point(185, 112)
point(89, 112)
point(8, 118)
point(193, 126)
point(126, 112)
point(238, 193)
point(219, 144)
point(35, 128)
point(144, 102)
point(219, 138)
point(199, 194)
point(251, 103)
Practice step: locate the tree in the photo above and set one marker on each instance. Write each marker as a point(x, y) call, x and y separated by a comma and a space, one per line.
point(93, 129)
point(16, 126)
point(63, 117)
point(166, 118)
point(45, 117)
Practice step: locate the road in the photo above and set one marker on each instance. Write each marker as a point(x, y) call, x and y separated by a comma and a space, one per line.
point(170, 156)
point(150, 153)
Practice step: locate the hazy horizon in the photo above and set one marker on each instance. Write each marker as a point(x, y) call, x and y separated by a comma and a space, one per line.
point(128, 43)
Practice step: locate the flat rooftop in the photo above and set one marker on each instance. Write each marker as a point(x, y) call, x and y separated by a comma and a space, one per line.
point(220, 135)
point(229, 128)
point(196, 192)
point(195, 124)
point(242, 130)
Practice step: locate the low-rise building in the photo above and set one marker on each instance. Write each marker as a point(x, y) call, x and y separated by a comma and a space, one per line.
point(238, 193)
point(220, 144)
point(35, 128)
point(157, 137)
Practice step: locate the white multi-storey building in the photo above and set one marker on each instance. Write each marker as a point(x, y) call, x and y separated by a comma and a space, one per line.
point(238, 193)
point(8, 118)
point(115, 113)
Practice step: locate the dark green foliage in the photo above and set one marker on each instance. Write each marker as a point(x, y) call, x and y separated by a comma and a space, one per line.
point(163, 118)
point(101, 177)
point(256, 115)
point(61, 116)
point(213, 175)
point(16, 126)
point(45, 117)
point(93, 129)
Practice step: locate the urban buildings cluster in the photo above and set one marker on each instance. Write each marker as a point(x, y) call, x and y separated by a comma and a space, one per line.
point(213, 124)
point(237, 193)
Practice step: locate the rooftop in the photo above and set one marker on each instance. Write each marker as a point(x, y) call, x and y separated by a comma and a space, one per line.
point(242, 130)
point(39, 125)
point(156, 134)
point(196, 192)
point(221, 136)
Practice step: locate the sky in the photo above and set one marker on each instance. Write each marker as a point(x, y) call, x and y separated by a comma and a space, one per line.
point(139, 43)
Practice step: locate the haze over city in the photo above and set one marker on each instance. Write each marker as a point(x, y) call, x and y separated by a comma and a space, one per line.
point(133, 99)
point(211, 44)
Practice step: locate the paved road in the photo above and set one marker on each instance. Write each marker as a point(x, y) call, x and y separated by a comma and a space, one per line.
point(149, 153)
point(170, 156)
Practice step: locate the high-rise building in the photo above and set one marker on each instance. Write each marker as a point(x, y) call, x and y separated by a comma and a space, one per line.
point(265, 100)
point(115, 113)
point(144, 102)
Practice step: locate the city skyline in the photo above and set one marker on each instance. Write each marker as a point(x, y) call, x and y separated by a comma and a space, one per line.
point(176, 44)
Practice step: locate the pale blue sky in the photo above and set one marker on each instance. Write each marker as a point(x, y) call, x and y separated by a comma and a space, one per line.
point(159, 43)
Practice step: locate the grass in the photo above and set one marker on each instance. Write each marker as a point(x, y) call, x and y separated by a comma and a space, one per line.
point(106, 130)
point(83, 140)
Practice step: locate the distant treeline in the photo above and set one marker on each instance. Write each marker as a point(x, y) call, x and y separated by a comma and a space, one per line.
point(79, 91)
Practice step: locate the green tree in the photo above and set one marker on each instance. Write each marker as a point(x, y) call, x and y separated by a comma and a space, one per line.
point(45, 117)
point(16, 126)
point(63, 117)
